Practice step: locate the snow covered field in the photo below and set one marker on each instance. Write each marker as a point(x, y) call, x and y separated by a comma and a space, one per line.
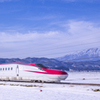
point(84, 77)
point(53, 91)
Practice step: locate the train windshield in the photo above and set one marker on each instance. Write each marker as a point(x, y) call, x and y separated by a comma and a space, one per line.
point(41, 66)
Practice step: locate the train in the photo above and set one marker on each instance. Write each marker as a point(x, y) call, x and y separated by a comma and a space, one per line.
point(30, 72)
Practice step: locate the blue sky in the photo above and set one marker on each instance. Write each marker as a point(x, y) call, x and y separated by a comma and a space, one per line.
point(48, 28)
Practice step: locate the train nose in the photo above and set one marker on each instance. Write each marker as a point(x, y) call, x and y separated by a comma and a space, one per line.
point(63, 75)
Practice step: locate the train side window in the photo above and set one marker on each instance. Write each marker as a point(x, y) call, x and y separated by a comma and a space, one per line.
point(0, 69)
point(11, 68)
point(5, 68)
point(8, 68)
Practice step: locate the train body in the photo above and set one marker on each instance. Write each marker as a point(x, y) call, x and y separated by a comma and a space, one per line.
point(30, 72)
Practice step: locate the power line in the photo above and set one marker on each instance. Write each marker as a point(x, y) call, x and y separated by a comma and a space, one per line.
point(81, 59)
point(70, 46)
point(64, 47)
point(76, 37)
point(60, 53)
point(60, 44)
point(60, 47)
point(57, 48)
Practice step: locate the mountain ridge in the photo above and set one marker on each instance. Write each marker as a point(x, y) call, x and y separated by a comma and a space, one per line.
point(92, 54)
point(63, 64)
point(60, 65)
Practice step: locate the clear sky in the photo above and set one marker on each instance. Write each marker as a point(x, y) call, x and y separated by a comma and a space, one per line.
point(48, 28)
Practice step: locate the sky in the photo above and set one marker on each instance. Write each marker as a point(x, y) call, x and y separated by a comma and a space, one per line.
point(48, 28)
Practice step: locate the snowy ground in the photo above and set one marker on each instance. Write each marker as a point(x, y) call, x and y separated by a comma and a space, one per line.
point(84, 77)
point(52, 91)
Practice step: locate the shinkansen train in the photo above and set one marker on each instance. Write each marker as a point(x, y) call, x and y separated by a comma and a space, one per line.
point(30, 72)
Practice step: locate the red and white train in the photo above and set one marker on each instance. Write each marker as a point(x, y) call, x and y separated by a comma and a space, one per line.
point(30, 72)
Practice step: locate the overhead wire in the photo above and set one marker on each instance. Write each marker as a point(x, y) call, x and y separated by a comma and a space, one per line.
point(59, 53)
point(26, 46)
point(57, 48)
point(60, 47)
point(81, 59)
point(46, 45)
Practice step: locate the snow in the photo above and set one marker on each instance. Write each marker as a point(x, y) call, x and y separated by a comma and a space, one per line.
point(84, 77)
point(48, 93)
point(43, 91)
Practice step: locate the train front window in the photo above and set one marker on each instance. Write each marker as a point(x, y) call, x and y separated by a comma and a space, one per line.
point(41, 66)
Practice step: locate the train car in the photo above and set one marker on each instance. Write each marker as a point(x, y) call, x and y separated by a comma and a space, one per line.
point(30, 72)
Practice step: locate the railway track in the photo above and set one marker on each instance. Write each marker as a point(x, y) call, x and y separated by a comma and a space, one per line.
point(66, 83)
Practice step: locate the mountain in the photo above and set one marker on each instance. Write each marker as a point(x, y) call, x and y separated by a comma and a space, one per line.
point(92, 54)
point(86, 60)
point(60, 65)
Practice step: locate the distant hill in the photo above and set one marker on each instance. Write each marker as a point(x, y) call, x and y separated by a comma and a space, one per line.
point(61, 65)
point(92, 54)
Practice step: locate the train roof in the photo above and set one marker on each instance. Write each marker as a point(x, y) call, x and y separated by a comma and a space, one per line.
point(16, 63)
point(31, 64)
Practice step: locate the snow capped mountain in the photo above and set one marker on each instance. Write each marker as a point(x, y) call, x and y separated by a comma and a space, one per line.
point(87, 60)
point(91, 54)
